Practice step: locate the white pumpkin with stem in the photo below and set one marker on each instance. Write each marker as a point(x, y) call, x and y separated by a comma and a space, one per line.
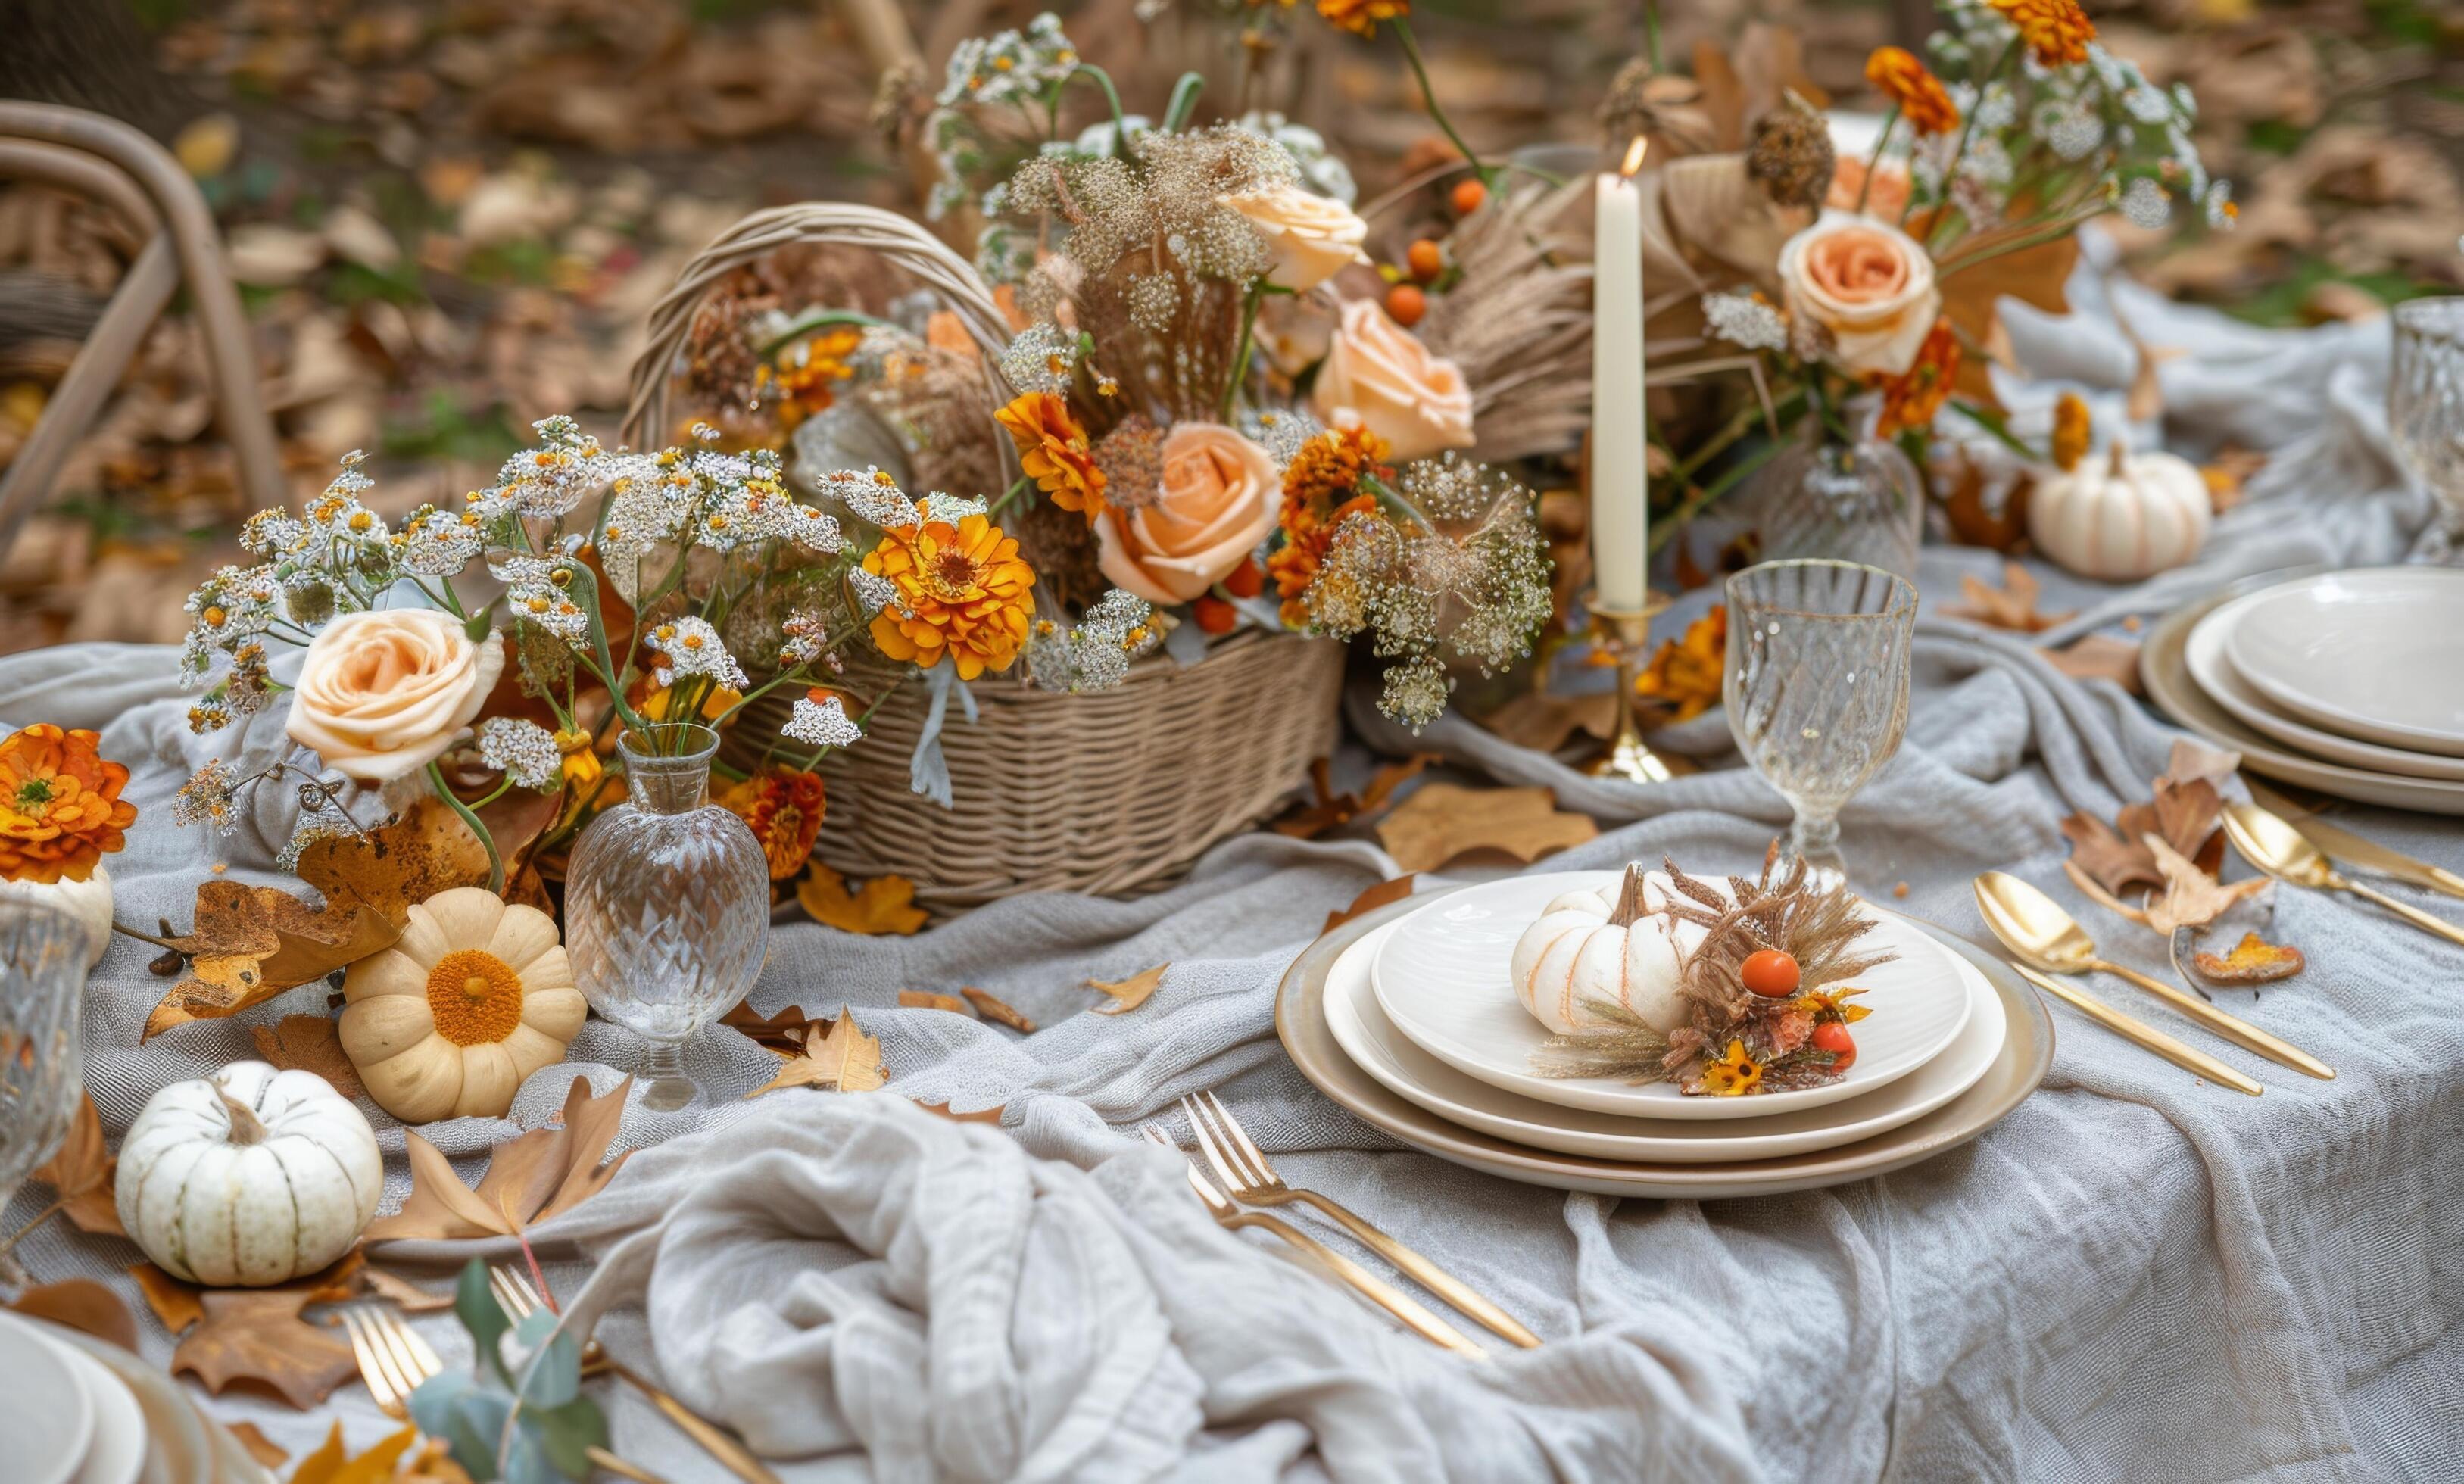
point(2124, 517)
point(1609, 945)
point(248, 1177)
point(474, 997)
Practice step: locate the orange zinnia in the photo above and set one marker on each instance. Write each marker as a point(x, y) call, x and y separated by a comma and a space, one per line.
point(1902, 79)
point(61, 808)
point(783, 807)
point(1913, 400)
point(1361, 16)
point(1053, 450)
point(963, 592)
point(2056, 31)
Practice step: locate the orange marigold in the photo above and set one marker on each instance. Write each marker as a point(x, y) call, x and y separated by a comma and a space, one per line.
point(1322, 488)
point(1053, 450)
point(1901, 77)
point(1361, 16)
point(1913, 400)
point(1295, 564)
point(963, 591)
point(2056, 31)
point(783, 806)
point(2073, 430)
point(61, 808)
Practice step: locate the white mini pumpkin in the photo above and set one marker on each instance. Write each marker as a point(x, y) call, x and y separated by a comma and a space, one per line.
point(1607, 945)
point(88, 901)
point(248, 1177)
point(2122, 518)
point(475, 996)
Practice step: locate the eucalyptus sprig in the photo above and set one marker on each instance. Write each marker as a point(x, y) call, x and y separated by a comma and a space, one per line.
point(525, 1420)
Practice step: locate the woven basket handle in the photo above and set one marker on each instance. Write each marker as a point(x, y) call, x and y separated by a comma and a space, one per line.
point(825, 223)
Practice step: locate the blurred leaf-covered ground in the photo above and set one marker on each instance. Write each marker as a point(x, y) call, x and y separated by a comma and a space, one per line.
point(449, 218)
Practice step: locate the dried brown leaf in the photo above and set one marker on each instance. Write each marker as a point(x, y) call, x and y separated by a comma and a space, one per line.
point(1971, 524)
point(79, 1174)
point(248, 944)
point(1370, 901)
point(2254, 960)
point(991, 1115)
point(2100, 656)
point(538, 1174)
point(783, 1031)
point(424, 850)
point(1544, 720)
point(2012, 606)
point(173, 1301)
point(1129, 993)
point(405, 1294)
point(836, 1055)
point(264, 1449)
point(1442, 822)
point(308, 1043)
point(82, 1304)
point(993, 1008)
point(255, 1337)
point(927, 1000)
point(1332, 809)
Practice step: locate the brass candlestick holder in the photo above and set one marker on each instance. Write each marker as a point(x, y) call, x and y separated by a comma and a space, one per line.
point(1626, 634)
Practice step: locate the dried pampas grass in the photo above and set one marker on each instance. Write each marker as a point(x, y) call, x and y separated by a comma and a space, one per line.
point(1519, 322)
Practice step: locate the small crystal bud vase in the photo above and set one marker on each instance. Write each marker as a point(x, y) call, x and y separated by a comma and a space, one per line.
point(667, 904)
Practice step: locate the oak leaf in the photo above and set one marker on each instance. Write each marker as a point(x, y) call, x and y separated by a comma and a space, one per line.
point(2254, 960)
point(2191, 897)
point(1545, 721)
point(332, 1463)
point(1130, 993)
point(173, 1301)
point(424, 850)
point(927, 1000)
point(882, 905)
point(256, 1336)
point(308, 1043)
point(2012, 606)
point(248, 944)
point(835, 1054)
point(538, 1174)
point(79, 1174)
point(1331, 809)
point(1370, 901)
point(993, 1008)
point(1445, 821)
point(82, 1304)
point(785, 1030)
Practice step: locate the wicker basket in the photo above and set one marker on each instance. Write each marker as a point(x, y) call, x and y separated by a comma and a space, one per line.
point(1112, 793)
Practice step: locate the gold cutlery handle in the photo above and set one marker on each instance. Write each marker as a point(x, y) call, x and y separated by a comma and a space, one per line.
point(2446, 881)
point(713, 1439)
point(2143, 1035)
point(1428, 1274)
point(618, 1467)
point(1419, 1320)
point(2409, 912)
point(2225, 1023)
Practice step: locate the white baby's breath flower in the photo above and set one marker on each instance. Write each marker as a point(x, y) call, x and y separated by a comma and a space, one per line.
point(822, 723)
point(210, 798)
point(694, 647)
point(2147, 204)
point(524, 752)
point(1745, 319)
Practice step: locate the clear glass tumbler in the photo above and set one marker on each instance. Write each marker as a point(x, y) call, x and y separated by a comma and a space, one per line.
point(667, 904)
point(1817, 686)
point(42, 980)
point(2426, 414)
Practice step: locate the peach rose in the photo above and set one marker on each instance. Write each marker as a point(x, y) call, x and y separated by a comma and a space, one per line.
point(1380, 371)
point(1311, 236)
point(384, 692)
point(1216, 503)
point(1869, 284)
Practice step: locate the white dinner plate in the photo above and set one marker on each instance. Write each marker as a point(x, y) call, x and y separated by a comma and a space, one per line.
point(1369, 1039)
point(182, 1447)
point(2376, 654)
point(46, 1418)
point(2213, 669)
point(1442, 979)
point(116, 1454)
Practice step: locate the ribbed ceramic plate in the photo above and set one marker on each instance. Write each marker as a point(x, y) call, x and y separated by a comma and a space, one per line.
point(2163, 669)
point(1301, 1023)
point(2215, 672)
point(1443, 979)
point(2376, 653)
point(1373, 1044)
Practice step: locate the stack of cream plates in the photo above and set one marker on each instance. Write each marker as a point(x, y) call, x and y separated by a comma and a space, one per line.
point(78, 1411)
point(2351, 683)
point(1407, 1016)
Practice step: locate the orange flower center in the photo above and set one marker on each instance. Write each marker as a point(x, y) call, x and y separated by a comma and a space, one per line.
point(953, 574)
point(476, 996)
point(34, 798)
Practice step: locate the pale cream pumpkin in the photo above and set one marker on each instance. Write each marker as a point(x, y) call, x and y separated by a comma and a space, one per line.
point(2121, 517)
point(1609, 945)
point(474, 997)
point(251, 1176)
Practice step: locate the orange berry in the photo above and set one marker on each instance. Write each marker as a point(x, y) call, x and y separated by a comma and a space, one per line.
point(1468, 195)
point(1425, 260)
point(1406, 304)
point(1214, 614)
point(1834, 1038)
point(1246, 581)
point(1770, 973)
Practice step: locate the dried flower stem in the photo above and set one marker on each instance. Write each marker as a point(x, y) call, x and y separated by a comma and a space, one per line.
point(1429, 96)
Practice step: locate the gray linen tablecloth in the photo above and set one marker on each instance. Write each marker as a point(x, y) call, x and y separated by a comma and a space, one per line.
point(2134, 1276)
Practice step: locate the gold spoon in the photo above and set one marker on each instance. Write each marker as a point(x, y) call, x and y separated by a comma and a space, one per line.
point(2282, 851)
point(2033, 926)
point(2147, 1037)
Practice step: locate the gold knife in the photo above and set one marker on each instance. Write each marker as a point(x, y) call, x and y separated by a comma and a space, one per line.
point(2188, 1059)
point(2352, 849)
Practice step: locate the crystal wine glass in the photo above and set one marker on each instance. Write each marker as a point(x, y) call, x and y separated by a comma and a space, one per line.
point(1817, 686)
point(42, 974)
point(2426, 414)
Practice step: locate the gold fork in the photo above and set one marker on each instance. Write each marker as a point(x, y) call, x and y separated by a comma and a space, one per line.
point(1245, 1172)
point(518, 1299)
point(1428, 1326)
point(394, 1359)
